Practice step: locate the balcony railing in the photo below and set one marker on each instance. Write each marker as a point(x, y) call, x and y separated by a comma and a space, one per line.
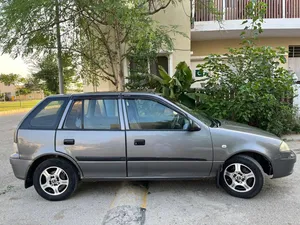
point(235, 9)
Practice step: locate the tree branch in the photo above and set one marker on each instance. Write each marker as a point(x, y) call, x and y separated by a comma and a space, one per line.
point(158, 9)
point(43, 27)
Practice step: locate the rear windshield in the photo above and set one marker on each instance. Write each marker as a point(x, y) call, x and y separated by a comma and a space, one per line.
point(46, 115)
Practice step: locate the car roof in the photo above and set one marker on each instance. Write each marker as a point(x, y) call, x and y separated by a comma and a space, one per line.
point(106, 94)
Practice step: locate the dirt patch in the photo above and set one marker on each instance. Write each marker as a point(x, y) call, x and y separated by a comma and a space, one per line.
point(9, 188)
point(60, 215)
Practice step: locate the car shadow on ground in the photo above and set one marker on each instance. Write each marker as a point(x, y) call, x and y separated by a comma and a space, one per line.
point(273, 188)
point(96, 188)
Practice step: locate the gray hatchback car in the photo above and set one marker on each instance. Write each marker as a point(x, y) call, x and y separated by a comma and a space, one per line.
point(139, 136)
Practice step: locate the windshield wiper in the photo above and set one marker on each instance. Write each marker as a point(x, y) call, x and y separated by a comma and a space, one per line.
point(218, 122)
point(215, 122)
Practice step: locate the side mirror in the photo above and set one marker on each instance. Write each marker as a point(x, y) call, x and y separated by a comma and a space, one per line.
point(193, 126)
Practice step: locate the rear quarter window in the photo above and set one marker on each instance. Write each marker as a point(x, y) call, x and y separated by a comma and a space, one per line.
point(46, 115)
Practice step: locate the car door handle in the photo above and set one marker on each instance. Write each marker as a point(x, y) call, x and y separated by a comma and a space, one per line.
point(139, 142)
point(69, 142)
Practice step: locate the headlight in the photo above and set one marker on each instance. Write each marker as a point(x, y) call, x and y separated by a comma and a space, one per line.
point(284, 147)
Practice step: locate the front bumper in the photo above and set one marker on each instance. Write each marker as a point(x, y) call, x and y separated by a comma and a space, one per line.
point(20, 166)
point(284, 165)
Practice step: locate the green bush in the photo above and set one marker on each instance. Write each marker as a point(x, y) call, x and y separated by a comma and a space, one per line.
point(248, 85)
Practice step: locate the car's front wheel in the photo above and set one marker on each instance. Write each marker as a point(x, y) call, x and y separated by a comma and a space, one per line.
point(242, 176)
point(55, 179)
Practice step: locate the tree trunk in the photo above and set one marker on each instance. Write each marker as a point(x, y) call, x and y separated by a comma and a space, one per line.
point(59, 49)
point(120, 74)
point(20, 99)
point(121, 83)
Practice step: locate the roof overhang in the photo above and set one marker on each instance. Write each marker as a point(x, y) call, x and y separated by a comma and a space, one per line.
point(230, 29)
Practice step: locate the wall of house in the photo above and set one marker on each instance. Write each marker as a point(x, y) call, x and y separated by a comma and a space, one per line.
point(204, 48)
point(8, 89)
point(103, 86)
point(35, 95)
point(178, 15)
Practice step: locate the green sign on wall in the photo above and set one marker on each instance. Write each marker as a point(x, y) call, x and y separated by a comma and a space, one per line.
point(200, 73)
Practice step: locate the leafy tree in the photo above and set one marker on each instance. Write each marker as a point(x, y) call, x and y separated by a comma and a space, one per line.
point(100, 34)
point(31, 84)
point(27, 85)
point(47, 77)
point(141, 78)
point(9, 79)
point(32, 27)
point(120, 30)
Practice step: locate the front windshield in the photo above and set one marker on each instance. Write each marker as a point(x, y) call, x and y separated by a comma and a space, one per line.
point(201, 116)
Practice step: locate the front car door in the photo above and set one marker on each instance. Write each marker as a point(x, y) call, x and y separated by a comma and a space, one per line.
point(93, 134)
point(158, 143)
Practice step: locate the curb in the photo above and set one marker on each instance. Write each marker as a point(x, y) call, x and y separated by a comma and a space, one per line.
point(129, 205)
point(296, 150)
point(125, 214)
point(4, 113)
point(291, 137)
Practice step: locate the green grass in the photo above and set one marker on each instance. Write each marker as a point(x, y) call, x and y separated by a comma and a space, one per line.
point(8, 106)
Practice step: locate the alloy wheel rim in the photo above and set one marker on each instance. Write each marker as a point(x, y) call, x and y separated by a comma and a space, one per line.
point(239, 177)
point(54, 180)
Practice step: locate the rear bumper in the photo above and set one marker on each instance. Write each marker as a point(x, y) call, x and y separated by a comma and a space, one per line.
point(284, 165)
point(20, 166)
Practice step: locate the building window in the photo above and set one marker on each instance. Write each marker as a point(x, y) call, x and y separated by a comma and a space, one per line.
point(162, 61)
point(152, 66)
point(294, 51)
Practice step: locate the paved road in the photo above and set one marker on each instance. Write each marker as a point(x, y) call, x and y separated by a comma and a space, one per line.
point(169, 202)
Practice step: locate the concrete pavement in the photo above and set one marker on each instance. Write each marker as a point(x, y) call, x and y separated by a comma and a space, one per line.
point(201, 203)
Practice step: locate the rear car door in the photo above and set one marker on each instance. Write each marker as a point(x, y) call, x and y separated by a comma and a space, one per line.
point(158, 143)
point(93, 134)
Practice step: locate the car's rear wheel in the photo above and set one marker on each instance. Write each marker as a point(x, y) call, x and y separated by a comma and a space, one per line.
point(242, 176)
point(55, 179)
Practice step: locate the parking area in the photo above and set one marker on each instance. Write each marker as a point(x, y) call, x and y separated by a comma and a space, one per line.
point(167, 202)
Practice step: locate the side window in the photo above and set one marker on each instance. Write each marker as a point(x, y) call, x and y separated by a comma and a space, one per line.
point(47, 116)
point(74, 118)
point(101, 114)
point(151, 115)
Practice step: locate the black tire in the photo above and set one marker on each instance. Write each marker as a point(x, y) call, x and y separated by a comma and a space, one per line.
point(51, 164)
point(257, 182)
